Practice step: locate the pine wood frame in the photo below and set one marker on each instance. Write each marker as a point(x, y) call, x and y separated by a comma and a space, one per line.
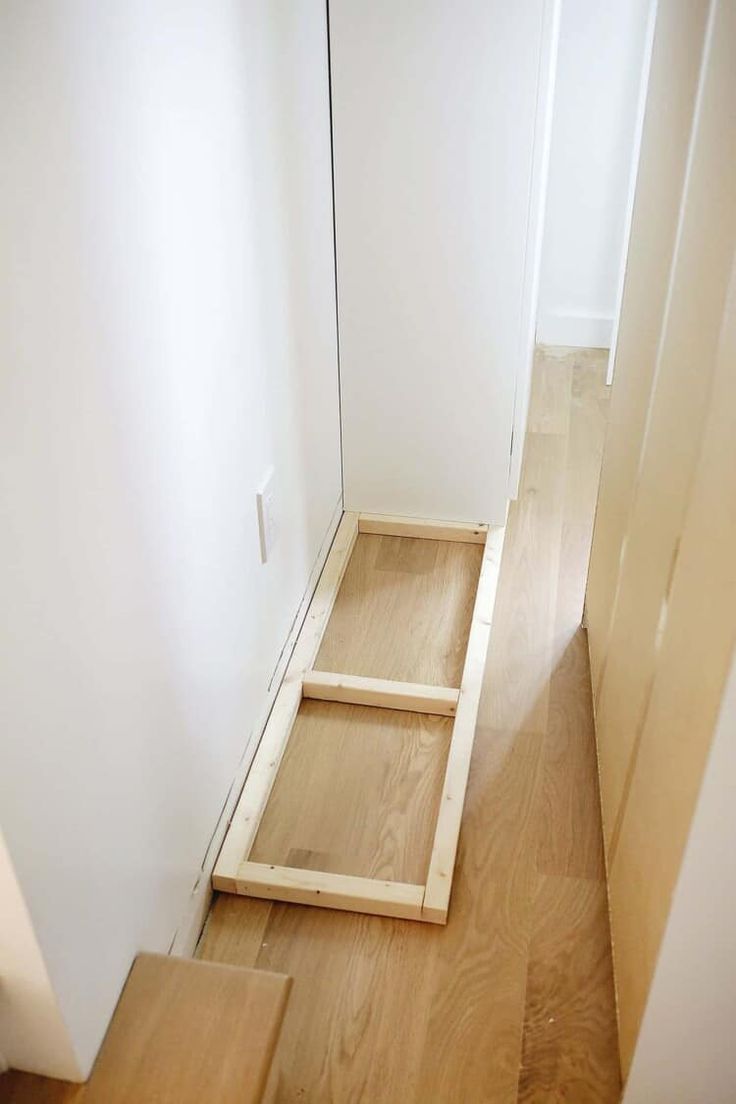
point(234, 872)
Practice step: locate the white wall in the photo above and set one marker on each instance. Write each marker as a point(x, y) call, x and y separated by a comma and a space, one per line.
point(602, 52)
point(167, 333)
point(33, 1034)
point(436, 117)
point(684, 1054)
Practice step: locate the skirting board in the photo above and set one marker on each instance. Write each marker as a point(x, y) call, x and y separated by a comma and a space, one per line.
point(583, 331)
point(235, 873)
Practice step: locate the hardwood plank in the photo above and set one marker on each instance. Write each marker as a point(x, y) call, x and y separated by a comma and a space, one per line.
point(392, 526)
point(472, 1048)
point(589, 403)
point(568, 796)
point(360, 785)
point(330, 890)
point(569, 1052)
point(355, 1025)
point(549, 405)
point(569, 1037)
point(160, 1047)
point(589, 397)
point(568, 787)
point(395, 582)
point(183, 1032)
point(521, 648)
point(383, 693)
point(186, 1030)
point(362, 978)
point(232, 933)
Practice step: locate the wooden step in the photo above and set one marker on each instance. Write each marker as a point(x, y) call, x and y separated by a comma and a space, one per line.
point(184, 1032)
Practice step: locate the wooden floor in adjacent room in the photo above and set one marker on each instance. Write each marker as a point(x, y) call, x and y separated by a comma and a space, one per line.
point(513, 999)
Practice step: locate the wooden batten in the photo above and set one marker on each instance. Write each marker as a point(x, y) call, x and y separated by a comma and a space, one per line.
point(338, 891)
point(384, 693)
point(390, 526)
point(234, 872)
point(447, 833)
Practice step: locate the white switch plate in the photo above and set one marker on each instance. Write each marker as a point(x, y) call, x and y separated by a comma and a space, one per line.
point(267, 517)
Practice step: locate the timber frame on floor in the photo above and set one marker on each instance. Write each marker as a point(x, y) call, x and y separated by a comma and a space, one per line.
point(234, 873)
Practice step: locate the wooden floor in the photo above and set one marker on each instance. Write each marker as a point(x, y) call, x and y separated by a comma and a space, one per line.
point(513, 1000)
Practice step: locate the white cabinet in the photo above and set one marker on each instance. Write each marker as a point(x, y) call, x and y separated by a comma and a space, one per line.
point(435, 122)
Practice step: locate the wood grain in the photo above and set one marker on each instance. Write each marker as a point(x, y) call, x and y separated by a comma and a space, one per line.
point(360, 785)
point(549, 403)
point(569, 1053)
point(522, 644)
point(186, 1030)
point(568, 788)
point(474, 1013)
point(394, 584)
point(183, 1032)
point(587, 427)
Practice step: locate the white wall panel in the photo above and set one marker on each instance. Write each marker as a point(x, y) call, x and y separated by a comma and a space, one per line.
point(167, 334)
point(434, 111)
point(684, 1054)
point(33, 1034)
point(603, 50)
